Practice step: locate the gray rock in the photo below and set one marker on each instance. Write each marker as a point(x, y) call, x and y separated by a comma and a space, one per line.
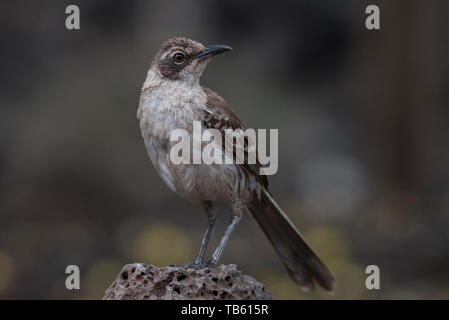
point(140, 281)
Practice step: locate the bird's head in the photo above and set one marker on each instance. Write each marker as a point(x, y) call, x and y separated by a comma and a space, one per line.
point(182, 59)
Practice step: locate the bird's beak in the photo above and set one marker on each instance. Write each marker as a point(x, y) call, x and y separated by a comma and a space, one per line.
point(212, 51)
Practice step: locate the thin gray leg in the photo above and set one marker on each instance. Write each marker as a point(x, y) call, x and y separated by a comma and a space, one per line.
point(217, 253)
point(211, 215)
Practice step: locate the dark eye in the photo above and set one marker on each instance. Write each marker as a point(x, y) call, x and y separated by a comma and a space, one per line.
point(179, 57)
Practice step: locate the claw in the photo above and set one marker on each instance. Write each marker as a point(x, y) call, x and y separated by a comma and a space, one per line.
point(210, 264)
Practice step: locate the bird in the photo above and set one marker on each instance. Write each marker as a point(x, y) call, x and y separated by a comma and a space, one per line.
point(173, 98)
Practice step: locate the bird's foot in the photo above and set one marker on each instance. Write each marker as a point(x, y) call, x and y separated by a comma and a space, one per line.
point(190, 265)
point(210, 264)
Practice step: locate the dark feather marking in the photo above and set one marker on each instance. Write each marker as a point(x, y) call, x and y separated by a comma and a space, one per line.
point(167, 67)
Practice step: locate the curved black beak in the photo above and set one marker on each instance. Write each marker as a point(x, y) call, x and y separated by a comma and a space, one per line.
point(212, 51)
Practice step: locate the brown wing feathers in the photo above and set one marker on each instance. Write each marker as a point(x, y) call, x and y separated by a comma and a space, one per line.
point(222, 117)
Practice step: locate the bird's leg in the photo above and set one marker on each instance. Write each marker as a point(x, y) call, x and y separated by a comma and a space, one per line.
point(217, 253)
point(212, 216)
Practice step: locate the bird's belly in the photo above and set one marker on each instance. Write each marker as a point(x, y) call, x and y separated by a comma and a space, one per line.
point(199, 182)
point(196, 182)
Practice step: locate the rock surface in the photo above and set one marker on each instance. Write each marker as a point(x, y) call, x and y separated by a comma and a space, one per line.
point(139, 281)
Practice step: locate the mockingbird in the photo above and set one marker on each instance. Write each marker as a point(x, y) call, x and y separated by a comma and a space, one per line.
point(172, 98)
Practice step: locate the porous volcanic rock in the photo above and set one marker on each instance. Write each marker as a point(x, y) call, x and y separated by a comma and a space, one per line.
point(139, 281)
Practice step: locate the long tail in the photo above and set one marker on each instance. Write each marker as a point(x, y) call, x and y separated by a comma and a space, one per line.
point(301, 262)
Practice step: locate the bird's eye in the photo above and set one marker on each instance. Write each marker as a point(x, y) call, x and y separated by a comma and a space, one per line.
point(179, 57)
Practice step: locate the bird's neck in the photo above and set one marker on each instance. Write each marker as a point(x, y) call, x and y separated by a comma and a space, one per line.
point(155, 80)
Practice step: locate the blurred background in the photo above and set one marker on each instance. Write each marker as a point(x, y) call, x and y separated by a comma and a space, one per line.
point(363, 123)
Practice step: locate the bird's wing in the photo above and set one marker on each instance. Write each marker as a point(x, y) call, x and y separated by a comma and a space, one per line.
point(218, 115)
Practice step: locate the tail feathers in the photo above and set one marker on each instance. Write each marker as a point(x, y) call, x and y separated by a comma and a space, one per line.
point(301, 262)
